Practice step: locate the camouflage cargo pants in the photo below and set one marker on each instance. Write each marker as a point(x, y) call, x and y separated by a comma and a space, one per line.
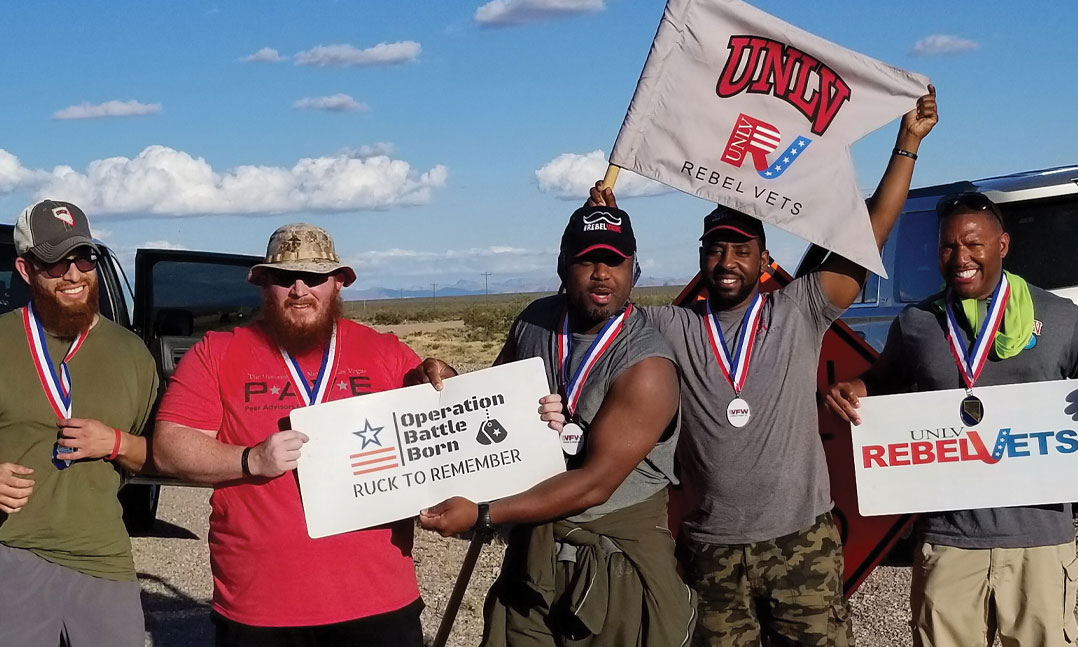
point(787, 591)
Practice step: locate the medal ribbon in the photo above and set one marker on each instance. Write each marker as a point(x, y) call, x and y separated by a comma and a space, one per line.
point(57, 387)
point(609, 332)
point(316, 393)
point(735, 368)
point(971, 361)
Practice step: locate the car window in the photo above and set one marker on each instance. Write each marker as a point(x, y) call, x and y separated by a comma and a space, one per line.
point(917, 273)
point(1044, 235)
point(191, 297)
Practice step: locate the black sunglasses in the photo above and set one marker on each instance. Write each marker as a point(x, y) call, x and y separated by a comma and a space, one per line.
point(283, 279)
point(84, 263)
point(966, 201)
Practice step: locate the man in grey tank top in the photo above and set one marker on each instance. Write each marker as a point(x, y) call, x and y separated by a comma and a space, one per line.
point(1010, 571)
point(759, 544)
point(591, 561)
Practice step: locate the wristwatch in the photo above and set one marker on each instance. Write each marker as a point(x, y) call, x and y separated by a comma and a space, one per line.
point(483, 526)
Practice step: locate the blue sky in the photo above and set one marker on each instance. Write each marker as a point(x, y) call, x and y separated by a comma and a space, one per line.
point(413, 131)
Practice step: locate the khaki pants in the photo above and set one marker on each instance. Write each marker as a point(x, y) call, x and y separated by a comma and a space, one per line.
point(965, 597)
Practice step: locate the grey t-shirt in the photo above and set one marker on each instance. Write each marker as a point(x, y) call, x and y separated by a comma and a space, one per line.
point(768, 478)
point(534, 334)
point(917, 357)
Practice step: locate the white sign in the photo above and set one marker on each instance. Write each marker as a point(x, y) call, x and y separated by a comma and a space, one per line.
point(738, 107)
point(912, 453)
point(381, 457)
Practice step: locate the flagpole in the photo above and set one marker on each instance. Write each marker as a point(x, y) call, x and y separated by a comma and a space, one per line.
point(455, 598)
point(611, 176)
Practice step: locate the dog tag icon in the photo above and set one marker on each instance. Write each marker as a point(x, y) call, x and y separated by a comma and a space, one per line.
point(491, 431)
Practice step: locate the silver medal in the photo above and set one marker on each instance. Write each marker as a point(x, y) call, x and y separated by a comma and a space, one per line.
point(738, 412)
point(572, 437)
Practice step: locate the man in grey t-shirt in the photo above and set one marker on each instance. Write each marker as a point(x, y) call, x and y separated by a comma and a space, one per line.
point(1010, 571)
point(759, 534)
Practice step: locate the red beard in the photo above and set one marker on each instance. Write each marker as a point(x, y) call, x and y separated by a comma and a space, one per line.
point(65, 320)
point(299, 337)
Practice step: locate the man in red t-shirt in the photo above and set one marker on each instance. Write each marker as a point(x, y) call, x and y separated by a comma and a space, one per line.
point(224, 422)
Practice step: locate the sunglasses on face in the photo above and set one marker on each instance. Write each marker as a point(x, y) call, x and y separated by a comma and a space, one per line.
point(288, 279)
point(84, 263)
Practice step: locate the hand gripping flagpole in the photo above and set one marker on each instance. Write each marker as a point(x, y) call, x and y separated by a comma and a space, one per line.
point(455, 598)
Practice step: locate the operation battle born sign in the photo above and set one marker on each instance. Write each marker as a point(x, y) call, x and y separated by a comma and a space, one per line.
point(385, 456)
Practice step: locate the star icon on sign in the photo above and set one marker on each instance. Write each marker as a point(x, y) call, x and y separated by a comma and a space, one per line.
point(793, 152)
point(275, 390)
point(786, 160)
point(778, 168)
point(342, 385)
point(369, 434)
point(767, 173)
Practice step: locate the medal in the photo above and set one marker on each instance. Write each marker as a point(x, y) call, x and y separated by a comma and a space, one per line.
point(313, 393)
point(971, 362)
point(735, 367)
point(572, 436)
point(57, 387)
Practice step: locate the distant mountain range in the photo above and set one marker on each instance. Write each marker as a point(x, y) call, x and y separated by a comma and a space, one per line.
point(468, 288)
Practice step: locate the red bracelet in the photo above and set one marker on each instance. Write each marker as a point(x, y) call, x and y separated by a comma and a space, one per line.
point(115, 446)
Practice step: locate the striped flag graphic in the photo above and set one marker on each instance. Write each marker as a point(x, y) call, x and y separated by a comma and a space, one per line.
point(375, 460)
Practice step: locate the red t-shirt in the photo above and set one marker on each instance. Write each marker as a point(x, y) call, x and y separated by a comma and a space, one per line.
point(266, 570)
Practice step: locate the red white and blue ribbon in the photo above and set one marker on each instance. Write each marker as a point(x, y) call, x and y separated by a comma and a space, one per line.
point(313, 393)
point(735, 367)
point(971, 361)
point(575, 386)
point(57, 387)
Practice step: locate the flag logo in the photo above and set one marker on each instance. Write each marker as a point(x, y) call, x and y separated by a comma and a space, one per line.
point(373, 460)
point(63, 215)
point(757, 139)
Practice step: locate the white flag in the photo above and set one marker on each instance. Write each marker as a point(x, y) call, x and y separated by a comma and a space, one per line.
point(740, 108)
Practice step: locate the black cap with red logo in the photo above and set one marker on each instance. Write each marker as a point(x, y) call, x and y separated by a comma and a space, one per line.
point(594, 228)
point(732, 223)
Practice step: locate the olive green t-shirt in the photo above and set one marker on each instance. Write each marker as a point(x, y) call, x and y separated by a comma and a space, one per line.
point(73, 517)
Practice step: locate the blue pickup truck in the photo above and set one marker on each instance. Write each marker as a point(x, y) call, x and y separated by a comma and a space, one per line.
point(1040, 210)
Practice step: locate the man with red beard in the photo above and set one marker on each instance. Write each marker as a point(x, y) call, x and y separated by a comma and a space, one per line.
point(224, 421)
point(75, 392)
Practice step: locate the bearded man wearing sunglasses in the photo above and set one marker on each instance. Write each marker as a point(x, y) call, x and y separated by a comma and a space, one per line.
point(75, 392)
point(224, 422)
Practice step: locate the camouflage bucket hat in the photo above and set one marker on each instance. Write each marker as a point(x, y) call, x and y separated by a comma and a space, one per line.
point(301, 248)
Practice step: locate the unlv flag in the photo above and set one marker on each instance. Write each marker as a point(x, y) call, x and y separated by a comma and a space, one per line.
point(739, 108)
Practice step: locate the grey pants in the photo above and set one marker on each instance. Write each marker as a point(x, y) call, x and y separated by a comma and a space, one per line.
point(42, 603)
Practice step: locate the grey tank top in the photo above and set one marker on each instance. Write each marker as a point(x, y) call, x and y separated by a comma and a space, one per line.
point(534, 334)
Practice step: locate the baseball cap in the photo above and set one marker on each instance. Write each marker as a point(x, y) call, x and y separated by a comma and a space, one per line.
point(50, 229)
point(592, 228)
point(301, 247)
point(732, 221)
point(966, 202)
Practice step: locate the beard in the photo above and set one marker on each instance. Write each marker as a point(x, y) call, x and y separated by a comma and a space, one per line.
point(62, 319)
point(298, 337)
point(725, 300)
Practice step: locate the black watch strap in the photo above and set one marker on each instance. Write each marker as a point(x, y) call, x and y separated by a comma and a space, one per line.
point(483, 525)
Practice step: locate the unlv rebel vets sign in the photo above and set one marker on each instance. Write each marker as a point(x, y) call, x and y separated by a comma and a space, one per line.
point(912, 453)
point(385, 456)
point(740, 108)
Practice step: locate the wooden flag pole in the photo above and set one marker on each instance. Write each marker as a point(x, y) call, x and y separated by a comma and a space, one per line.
point(611, 176)
point(455, 598)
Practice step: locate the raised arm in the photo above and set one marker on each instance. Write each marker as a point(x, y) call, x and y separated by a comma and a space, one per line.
point(840, 278)
point(636, 411)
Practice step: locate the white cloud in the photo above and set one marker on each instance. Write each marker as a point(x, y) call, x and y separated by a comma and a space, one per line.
point(942, 44)
point(164, 181)
point(161, 244)
point(13, 175)
point(347, 55)
point(569, 176)
point(85, 110)
point(517, 12)
point(333, 103)
point(369, 150)
point(264, 55)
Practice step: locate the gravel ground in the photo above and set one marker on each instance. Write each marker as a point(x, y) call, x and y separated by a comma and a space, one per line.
point(173, 566)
